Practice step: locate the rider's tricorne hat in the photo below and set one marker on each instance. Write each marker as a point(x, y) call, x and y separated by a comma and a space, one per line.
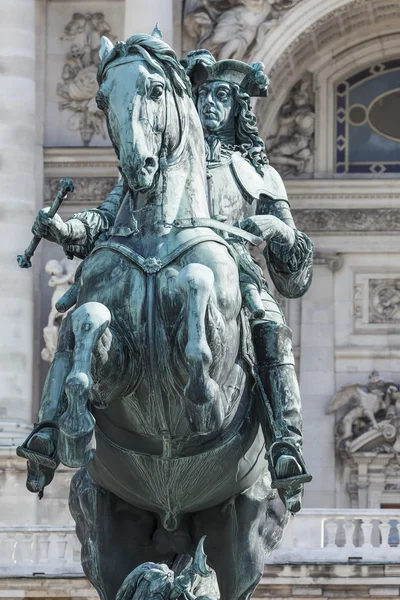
point(202, 67)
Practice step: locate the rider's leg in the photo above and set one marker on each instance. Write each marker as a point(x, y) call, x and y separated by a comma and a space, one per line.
point(42, 443)
point(273, 347)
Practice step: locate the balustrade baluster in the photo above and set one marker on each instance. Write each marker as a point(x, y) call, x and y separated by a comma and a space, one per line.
point(331, 529)
point(349, 527)
point(367, 528)
point(384, 529)
point(43, 542)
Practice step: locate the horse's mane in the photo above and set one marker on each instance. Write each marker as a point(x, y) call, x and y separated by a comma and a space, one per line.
point(157, 54)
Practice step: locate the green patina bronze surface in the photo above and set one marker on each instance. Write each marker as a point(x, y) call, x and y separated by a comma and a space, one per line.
point(173, 385)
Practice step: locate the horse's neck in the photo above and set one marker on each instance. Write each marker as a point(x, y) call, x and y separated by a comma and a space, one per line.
point(181, 189)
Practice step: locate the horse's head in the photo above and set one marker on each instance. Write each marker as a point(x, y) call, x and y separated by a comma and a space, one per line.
point(141, 87)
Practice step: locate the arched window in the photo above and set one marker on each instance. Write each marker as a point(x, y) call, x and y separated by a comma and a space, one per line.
point(368, 120)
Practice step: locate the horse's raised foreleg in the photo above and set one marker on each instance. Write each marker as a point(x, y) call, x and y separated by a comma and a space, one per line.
point(205, 403)
point(89, 323)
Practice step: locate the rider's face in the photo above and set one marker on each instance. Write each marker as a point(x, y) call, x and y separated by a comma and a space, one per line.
point(215, 106)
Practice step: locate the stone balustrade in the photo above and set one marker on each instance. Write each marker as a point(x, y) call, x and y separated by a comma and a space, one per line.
point(39, 551)
point(317, 535)
point(313, 536)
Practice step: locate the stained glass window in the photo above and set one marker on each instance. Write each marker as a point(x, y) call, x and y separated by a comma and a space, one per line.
point(368, 120)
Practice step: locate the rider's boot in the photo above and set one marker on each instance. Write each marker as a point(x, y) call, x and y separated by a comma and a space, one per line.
point(274, 354)
point(40, 448)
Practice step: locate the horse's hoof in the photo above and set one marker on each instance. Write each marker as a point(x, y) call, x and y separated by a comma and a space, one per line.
point(76, 451)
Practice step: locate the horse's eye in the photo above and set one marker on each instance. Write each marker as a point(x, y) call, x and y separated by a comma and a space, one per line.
point(157, 92)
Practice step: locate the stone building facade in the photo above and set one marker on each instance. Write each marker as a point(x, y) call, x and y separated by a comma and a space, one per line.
point(331, 127)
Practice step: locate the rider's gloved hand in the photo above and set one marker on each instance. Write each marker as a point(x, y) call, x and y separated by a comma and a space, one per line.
point(50, 228)
point(270, 229)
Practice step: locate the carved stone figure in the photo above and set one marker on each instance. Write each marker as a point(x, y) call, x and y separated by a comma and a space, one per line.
point(229, 28)
point(155, 391)
point(62, 277)
point(291, 150)
point(79, 85)
point(371, 420)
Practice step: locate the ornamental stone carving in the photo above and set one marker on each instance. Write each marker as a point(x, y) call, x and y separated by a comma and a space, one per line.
point(376, 301)
point(384, 300)
point(369, 417)
point(79, 83)
point(87, 189)
point(291, 150)
point(62, 277)
point(338, 220)
point(231, 28)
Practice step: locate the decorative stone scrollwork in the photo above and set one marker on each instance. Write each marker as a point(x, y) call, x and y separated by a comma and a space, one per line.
point(231, 28)
point(79, 83)
point(291, 150)
point(62, 277)
point(370, 417)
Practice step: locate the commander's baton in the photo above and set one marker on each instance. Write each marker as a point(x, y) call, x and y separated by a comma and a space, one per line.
point(66, 185)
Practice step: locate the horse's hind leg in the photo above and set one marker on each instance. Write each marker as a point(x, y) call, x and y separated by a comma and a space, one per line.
point(239, 535)
point(115, 536)
point(204, 407)
point(89, 322)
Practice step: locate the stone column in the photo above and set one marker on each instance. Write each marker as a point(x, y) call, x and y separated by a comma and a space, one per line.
point(142, 15)
point(17, 209)
point(317, 382)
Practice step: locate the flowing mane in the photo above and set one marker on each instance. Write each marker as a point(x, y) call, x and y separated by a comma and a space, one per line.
point(156, 53)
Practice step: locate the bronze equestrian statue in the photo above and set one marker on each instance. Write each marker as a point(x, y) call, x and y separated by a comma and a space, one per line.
point(175, 371)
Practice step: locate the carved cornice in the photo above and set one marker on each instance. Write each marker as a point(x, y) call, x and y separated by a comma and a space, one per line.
point(87, 189)
point(345, 220)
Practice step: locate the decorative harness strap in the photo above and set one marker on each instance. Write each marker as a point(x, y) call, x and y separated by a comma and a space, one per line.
point(213, 224)
point(153, 264)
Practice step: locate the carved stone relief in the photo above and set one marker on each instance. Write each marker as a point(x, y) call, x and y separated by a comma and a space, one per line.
point(376, 301)
point(87, 189)
point(367, 436)
point(340, 220)
point(79, 84)
point(291, 150)
point(231, 28)
point(62, 277)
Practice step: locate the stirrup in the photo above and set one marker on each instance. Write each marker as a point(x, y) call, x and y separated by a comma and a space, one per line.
point(287, 482)
point(38, 459)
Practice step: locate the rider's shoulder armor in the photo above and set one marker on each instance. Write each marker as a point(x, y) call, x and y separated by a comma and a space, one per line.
point(251, 182)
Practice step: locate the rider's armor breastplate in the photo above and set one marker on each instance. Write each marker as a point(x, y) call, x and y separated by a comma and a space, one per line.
point(225, 197)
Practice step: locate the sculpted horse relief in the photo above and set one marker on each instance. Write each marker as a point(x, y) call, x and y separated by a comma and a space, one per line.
point(154, 389)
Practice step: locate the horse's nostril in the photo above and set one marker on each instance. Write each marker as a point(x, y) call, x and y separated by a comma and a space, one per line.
point(149, 163)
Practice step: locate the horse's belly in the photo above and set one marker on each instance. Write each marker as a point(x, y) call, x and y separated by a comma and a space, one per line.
point(171, 487)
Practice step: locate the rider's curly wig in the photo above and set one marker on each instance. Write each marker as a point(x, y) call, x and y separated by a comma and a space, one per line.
point(157, 54)
point(247, 139)
point(246, 131)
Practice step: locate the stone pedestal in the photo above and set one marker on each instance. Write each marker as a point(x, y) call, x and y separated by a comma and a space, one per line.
point(17, 209)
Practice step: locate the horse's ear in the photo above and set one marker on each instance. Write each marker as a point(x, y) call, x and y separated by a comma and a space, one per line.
point(106, 47)
point(156, 33)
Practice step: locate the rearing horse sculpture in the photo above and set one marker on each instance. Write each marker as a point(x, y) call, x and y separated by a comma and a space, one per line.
point(156, 357)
